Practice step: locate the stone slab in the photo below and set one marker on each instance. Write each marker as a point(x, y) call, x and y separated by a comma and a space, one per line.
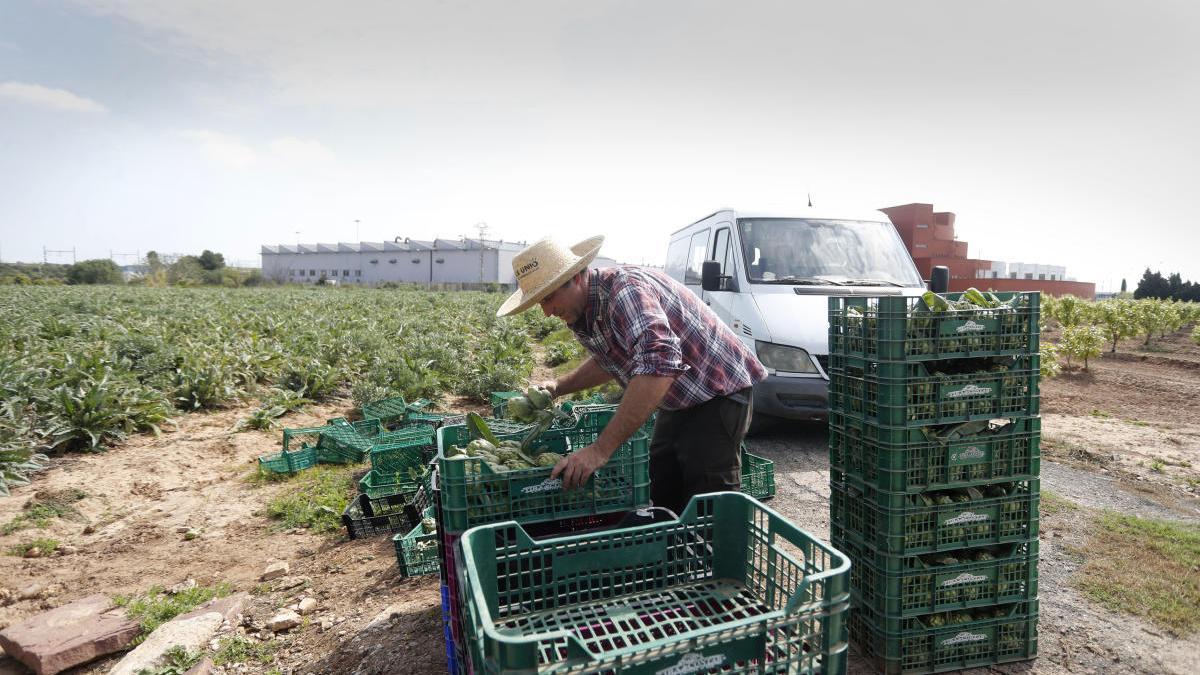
point(67, 636)
point(191, 631)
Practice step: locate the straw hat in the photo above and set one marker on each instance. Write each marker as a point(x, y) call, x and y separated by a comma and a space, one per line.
point(543, 267)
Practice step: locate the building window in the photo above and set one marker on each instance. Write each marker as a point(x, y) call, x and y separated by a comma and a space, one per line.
point(923, 226)
point(291, 273)
point(1041, 277)
point(312, 273)
point(374, 262)
point(358, 273)
point(392, 261)
point(1012, 275)
point(1029, 275)
point(921, 246)
point(345, 273)
point(1051, 277)
point(995, 274)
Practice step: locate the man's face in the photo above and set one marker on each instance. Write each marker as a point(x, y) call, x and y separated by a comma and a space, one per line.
point(567, 302)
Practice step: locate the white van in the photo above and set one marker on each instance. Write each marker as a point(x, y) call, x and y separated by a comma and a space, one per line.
point(769, 277)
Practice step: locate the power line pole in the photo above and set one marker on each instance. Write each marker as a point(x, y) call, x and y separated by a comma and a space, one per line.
point(482, 227)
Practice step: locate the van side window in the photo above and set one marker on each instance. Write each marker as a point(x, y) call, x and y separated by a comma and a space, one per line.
point(677, 254)
point(697, 255)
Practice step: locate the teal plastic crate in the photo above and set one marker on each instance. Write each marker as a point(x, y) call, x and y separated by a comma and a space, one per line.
point(347, 442)
point(1001, 634)
point(730, 586)
point(473, 493)
point(399, 456)
point(904, 586)
point(758, 475)
point(918, 394)
point(900, 524)
point(902, 329)
point(380, 484)
point(931, 458)
point(289, 461)
point(417, 550)
point(388, 411)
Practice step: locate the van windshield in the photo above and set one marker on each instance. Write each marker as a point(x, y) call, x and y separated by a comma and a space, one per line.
point(806, 251)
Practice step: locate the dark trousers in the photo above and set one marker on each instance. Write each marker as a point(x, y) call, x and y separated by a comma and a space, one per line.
point(697, 450)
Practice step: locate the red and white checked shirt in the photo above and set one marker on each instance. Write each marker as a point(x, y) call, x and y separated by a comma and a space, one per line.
point(642, 322)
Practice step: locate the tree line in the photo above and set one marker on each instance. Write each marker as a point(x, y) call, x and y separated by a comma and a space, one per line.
point(206, 269)
point(1154, 285)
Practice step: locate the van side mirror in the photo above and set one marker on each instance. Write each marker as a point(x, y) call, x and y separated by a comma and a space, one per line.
point(939, 280)
point(710, 275)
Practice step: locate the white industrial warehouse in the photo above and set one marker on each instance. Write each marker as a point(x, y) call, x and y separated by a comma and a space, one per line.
point(464, 263)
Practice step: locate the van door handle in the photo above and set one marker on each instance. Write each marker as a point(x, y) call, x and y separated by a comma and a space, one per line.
point(708, 302)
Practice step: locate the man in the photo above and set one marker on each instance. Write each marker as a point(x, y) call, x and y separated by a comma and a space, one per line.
point(669, 351)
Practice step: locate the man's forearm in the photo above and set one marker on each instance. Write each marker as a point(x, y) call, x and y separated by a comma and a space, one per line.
point(641, 398)
point(588, 374)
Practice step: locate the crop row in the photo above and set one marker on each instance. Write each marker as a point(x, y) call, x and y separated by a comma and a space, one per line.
point(81, 368)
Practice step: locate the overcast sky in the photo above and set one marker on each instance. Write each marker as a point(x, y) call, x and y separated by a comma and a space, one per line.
point(1060, 132)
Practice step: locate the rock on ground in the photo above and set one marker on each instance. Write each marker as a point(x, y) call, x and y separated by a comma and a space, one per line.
point(190, 631)
point(76, 633)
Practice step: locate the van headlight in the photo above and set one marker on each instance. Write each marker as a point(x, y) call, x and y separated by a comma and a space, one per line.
point(784, 359)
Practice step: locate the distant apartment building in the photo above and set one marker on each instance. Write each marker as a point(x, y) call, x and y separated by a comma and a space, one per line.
point(461, 263)
point(929, 236)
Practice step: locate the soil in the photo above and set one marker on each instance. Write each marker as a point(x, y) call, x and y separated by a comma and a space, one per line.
point(1123, 436)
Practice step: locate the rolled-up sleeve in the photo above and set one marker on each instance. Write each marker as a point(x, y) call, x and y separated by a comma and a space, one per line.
point(645, 332)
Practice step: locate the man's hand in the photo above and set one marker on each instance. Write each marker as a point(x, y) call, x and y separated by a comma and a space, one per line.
point(576, 468)
point(551, 386)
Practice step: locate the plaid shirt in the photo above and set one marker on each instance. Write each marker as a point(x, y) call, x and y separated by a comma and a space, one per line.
point(642, 322)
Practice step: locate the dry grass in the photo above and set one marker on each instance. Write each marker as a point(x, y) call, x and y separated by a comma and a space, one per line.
point(1146, 567)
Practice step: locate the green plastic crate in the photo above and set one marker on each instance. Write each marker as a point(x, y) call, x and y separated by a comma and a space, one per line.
point(917, 460)
point(289, 461)
point(379, 484)
point(473, 494)
point(913, 646)
point(888, 329)
point(899, 524)
point(347, 442)
point(401, 455)
point(416, 550)
point(730, 585)
point(904, 586)
point(914, 395)
point(758, 475)
point(387, 411)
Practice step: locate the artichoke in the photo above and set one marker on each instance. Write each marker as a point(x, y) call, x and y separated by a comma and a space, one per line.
point(480, 445)
point(428, 525)
point(539, 398)
point(548, 459)
point(519, 408)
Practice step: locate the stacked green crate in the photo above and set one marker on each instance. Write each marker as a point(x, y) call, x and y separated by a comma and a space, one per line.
point(934, 463)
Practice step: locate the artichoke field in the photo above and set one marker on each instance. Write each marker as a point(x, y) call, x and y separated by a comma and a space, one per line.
point(84, 367)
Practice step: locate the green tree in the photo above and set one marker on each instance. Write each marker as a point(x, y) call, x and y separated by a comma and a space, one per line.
point(98, 271)
point(211, 261)
point(186, 271)
point(1082, 342)
point(1070, 311)
point(1123, 286)
point(1150, 317)
point(1118, 319)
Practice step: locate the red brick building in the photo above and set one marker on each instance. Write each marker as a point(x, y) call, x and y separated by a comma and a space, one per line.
point(929, 237)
